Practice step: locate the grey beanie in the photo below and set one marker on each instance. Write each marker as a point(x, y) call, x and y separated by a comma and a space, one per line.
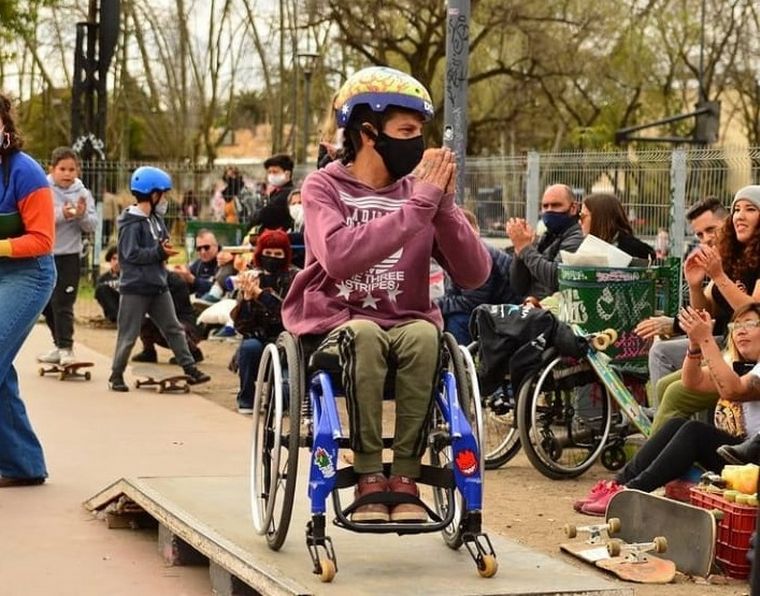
point(748, 193)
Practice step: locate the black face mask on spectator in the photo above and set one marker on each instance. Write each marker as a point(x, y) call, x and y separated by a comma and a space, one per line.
point(272, 264)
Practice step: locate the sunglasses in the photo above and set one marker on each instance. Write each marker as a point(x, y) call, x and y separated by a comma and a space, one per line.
point(203, 247)
point(753, 324)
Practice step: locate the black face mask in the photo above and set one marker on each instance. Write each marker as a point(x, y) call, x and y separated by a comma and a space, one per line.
point(272, 264)
point(400, 156)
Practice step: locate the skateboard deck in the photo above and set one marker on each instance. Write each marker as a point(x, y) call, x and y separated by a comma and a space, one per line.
point(67, 371)
point(639, 567)
point(600, 362)
point(162, 382)
point(690, 531)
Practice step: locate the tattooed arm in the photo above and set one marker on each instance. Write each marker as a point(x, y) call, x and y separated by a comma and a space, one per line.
point(722, 378)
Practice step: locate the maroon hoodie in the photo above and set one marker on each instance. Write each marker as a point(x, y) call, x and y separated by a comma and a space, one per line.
point(368, 252)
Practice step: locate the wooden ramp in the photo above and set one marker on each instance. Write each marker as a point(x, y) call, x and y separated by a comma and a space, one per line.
point(207, 519)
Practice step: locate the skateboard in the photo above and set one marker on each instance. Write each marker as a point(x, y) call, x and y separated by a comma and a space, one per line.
point(164, 384)
point(629, 562)
point(600, 362)
point(67, 371)
point(689, 530)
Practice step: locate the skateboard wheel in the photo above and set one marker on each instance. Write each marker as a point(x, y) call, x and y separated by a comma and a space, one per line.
point(614, 547)
point(600, 342)
point(660, 544)
point(613, 525)
point(87, 375)
point(612, 334)
point(327, 573)
point(161, 389)
point(488, 566)
point(186, 389)
point(62, 376)
point(570, 531)
point(41, 371)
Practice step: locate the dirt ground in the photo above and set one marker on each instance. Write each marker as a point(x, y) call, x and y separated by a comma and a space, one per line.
point(521, 504)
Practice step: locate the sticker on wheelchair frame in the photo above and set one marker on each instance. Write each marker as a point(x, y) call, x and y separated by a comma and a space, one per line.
point(467, 462)
point(324, 462)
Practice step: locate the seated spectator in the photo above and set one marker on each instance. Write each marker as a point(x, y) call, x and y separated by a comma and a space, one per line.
point(680, 443)
point(602, 215)
point(151, 336)
point(458, 303)
point(256, 316)
point(733, 267)
point(201, 273)
point(535, 266)
point(107, 287)
point(274, 214)
point(665, 356)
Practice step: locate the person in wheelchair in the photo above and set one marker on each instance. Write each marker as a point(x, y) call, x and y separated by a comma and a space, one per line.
point(373, 219)
point(680, 443)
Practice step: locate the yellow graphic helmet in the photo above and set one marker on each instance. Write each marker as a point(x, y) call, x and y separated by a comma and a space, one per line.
point(380, 87)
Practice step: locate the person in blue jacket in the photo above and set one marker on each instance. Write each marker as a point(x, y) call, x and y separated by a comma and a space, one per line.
point(144, 247)
point(457, 304)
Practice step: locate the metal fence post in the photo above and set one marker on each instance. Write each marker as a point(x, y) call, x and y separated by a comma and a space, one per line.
point(455, 103)
point(677, 230)
point(532, 192)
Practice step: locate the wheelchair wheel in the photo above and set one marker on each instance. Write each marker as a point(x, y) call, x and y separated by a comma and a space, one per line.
point(274, 451)
point(501, 437)
point(564, 419)
point(440, 451)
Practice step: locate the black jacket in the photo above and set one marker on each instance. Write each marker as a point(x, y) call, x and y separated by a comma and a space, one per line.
point(635, 247)
point(275, 212)
point(535, 271)
point(141, 256)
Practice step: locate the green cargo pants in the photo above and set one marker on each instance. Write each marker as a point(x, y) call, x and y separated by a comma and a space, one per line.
point(675, 401)
point(364, 350)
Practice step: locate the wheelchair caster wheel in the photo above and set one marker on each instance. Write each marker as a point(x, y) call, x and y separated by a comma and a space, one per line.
point(328, 571)
point(488, 566)
point(613, 458)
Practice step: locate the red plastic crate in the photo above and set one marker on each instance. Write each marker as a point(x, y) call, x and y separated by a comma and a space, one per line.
point(734, 531)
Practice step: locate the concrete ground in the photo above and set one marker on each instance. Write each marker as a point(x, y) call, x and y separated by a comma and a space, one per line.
point(51, 545)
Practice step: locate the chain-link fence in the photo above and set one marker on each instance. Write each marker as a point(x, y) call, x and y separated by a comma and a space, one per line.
point(655, 186)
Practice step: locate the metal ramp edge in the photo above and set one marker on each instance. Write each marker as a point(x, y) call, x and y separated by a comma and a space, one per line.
point(198, 535)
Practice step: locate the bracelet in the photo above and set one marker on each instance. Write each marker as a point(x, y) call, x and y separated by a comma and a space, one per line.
point(693, 353)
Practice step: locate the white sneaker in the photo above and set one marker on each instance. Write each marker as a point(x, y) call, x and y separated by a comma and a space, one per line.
point(66, 357)
point(245, 411)
point(51, 357)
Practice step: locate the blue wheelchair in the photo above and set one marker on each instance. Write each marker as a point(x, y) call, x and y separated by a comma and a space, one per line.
point(295, 407)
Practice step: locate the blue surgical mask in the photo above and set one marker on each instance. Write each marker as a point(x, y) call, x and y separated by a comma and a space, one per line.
point(557, 222)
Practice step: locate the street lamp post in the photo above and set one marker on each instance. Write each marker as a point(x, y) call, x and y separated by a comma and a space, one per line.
point(307, 61)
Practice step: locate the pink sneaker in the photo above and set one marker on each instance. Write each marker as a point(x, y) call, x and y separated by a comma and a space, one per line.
point(599, 507)
point(596, 491)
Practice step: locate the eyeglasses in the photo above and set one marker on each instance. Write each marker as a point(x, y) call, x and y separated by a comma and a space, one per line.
point(753, 324)
point(203, 247)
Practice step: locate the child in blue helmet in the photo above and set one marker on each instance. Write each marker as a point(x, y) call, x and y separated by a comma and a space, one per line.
point(144, 247)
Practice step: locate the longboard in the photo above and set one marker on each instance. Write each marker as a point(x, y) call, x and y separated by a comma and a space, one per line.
point(600, 363)
point(689, 530)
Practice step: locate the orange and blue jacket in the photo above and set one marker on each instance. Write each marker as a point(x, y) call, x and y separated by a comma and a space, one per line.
point(26, 207)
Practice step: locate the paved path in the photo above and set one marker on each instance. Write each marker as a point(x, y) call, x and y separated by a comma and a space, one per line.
point(51, 545)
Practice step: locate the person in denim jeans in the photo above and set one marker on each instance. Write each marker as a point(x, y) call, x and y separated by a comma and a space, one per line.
point(27, 230)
